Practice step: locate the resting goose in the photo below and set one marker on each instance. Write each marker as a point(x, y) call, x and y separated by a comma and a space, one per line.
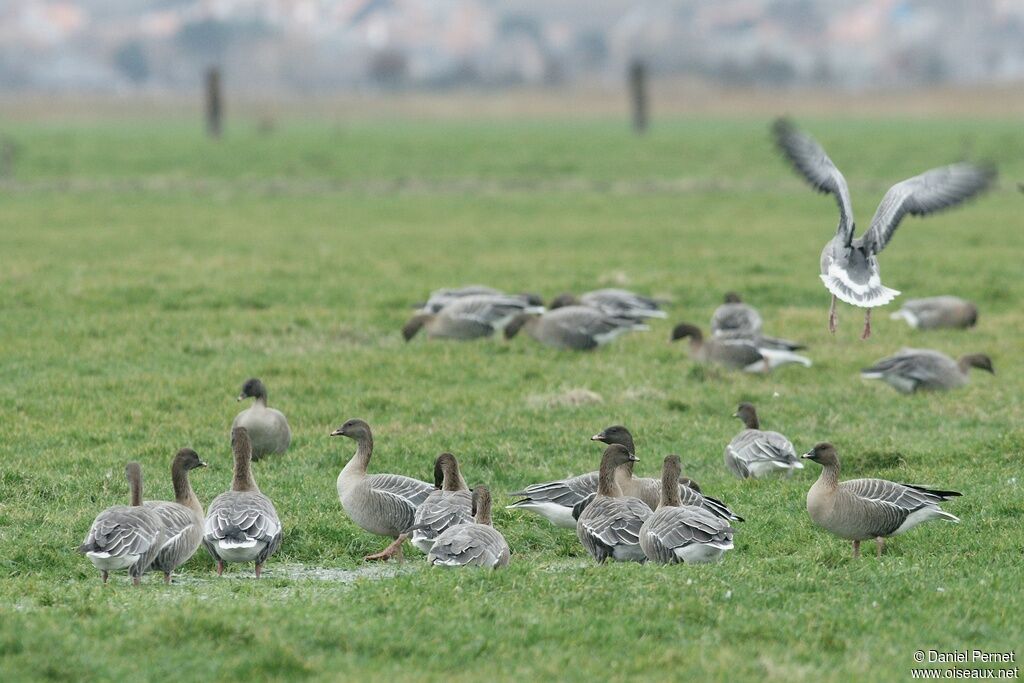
point(472, 544)
point(682, 533)
point(938, 312)
point(620, 303)
point(182, 519)
point(125, 536)
point(609, 527)
point(849, 265)
point(754, 453)
point(383, 504)
point(735, 318)
point(861, 509)
point(448, 505)
point(440, 298)
point(268, 428)
point(911, 370)
point(580, 328)
point(470, 317)
point(739, 354)
point(242, 524)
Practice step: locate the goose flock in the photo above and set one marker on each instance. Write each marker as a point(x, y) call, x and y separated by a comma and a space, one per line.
point(616, 515)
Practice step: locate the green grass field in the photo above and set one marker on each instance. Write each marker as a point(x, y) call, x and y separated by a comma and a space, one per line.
point(145, 273)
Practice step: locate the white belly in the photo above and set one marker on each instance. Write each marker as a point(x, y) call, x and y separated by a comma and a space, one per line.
point(698, 553)
point(629, 553)
point(240, 552)
point(108, 563)
point(559, 515)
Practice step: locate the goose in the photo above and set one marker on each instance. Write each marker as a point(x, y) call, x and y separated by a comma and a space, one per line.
point(737, 320)
point(440, 298)
point(938, 312)
point(862, 509)
point(682, 533)
point(739, 354)
point(609, 527)
point(475, 543)
point(469, 317)
point(910, 370)
point(125, 536)
point(241, 523)
point(448, 505)
point(620, 303)
point(580, 328)
point(754, 453)
point(382, 504)
point(182, 518)
point(849, 265)
point(268, 428)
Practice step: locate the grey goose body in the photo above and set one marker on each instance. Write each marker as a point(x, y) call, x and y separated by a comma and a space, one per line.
point(849, 264)
point(737, 354)
point(862, 509)
point(450, 504)
point(475, 543)
point(735, 318)
point(938, 312)
point(125, 536)
point(620, 303)
point(755, 453)
point(912, 370)
point(242, 524)
point(182, 518)
point(609, 526)
point(579, 328)
point(470, 317)
point(268, 428)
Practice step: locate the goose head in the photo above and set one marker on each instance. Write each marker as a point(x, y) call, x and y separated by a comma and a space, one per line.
point(616, 434)
point(252, 388)
point(977, 360)
point(446, 468)
point(415, 324)
point(187, 459)
point(355, 429)
point(564, 299)
point(748, 414)
point(824, 454)
point(683, 330)
point(732, 298)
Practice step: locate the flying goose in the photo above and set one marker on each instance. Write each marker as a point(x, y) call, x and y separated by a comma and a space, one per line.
point(383, 504)
point(754, 453)
point(739, 354)
point(938, 312)
point(448, 505)
point(620, 303)
point(580, 328)
point(241, 523)
point(849, 265)
point(737, 320)
point(475, 543)
point(125, 536)
point(682, 533)
point(470, 317)
point(440, 298)
point(268, 428)
point(182, 518)
point(609, 527)
point(911, 370)
point(861, 509)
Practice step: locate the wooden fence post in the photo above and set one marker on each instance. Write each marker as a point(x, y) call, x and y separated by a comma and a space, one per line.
point(214, 109)
point(638, 95)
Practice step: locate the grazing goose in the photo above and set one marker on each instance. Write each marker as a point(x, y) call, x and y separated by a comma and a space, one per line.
point(268, 428)
point(861, 509)
point(620, 303)
point(125, 536)
point(242, 524)
point(735, 318)
point(470, 317)
point(182, 519)
point(938, 312)
point(609, 527)
point(754, 453)
point(849, 265)
point(912, 369)
point(445, 507)
point(682, 533)
point(383, 504)
point(442, 297)
point(580, 328)
point(472, 544)
point(739, 354)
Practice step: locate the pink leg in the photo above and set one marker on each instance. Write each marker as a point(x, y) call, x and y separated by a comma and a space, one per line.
point(259, 568)
point(167, 578)
point(220, 567)
point(856, 549)
point(135, 581)
point(105, 575)
point(832, 316)
point(867, 324)
point(880, 545)
point(393, 550)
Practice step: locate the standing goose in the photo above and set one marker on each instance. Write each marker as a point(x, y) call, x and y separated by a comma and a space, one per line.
point(242, 524)
point(580, 328)
point(182, 519)
point(268, 428)
point(609, 527)
point(754, 453)
point(620, 303)
point(470, 317)
point(450, 504)
point(682, 533)
point(383, 504)
point(849, 265)
point(912, 369)
point(125, 536)
point(475, 543)
point(938, 312)
point(862, 509)
point(738, 354)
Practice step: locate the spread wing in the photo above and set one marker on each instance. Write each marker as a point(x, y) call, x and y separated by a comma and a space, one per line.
point(810, 159)
point(934, 190)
